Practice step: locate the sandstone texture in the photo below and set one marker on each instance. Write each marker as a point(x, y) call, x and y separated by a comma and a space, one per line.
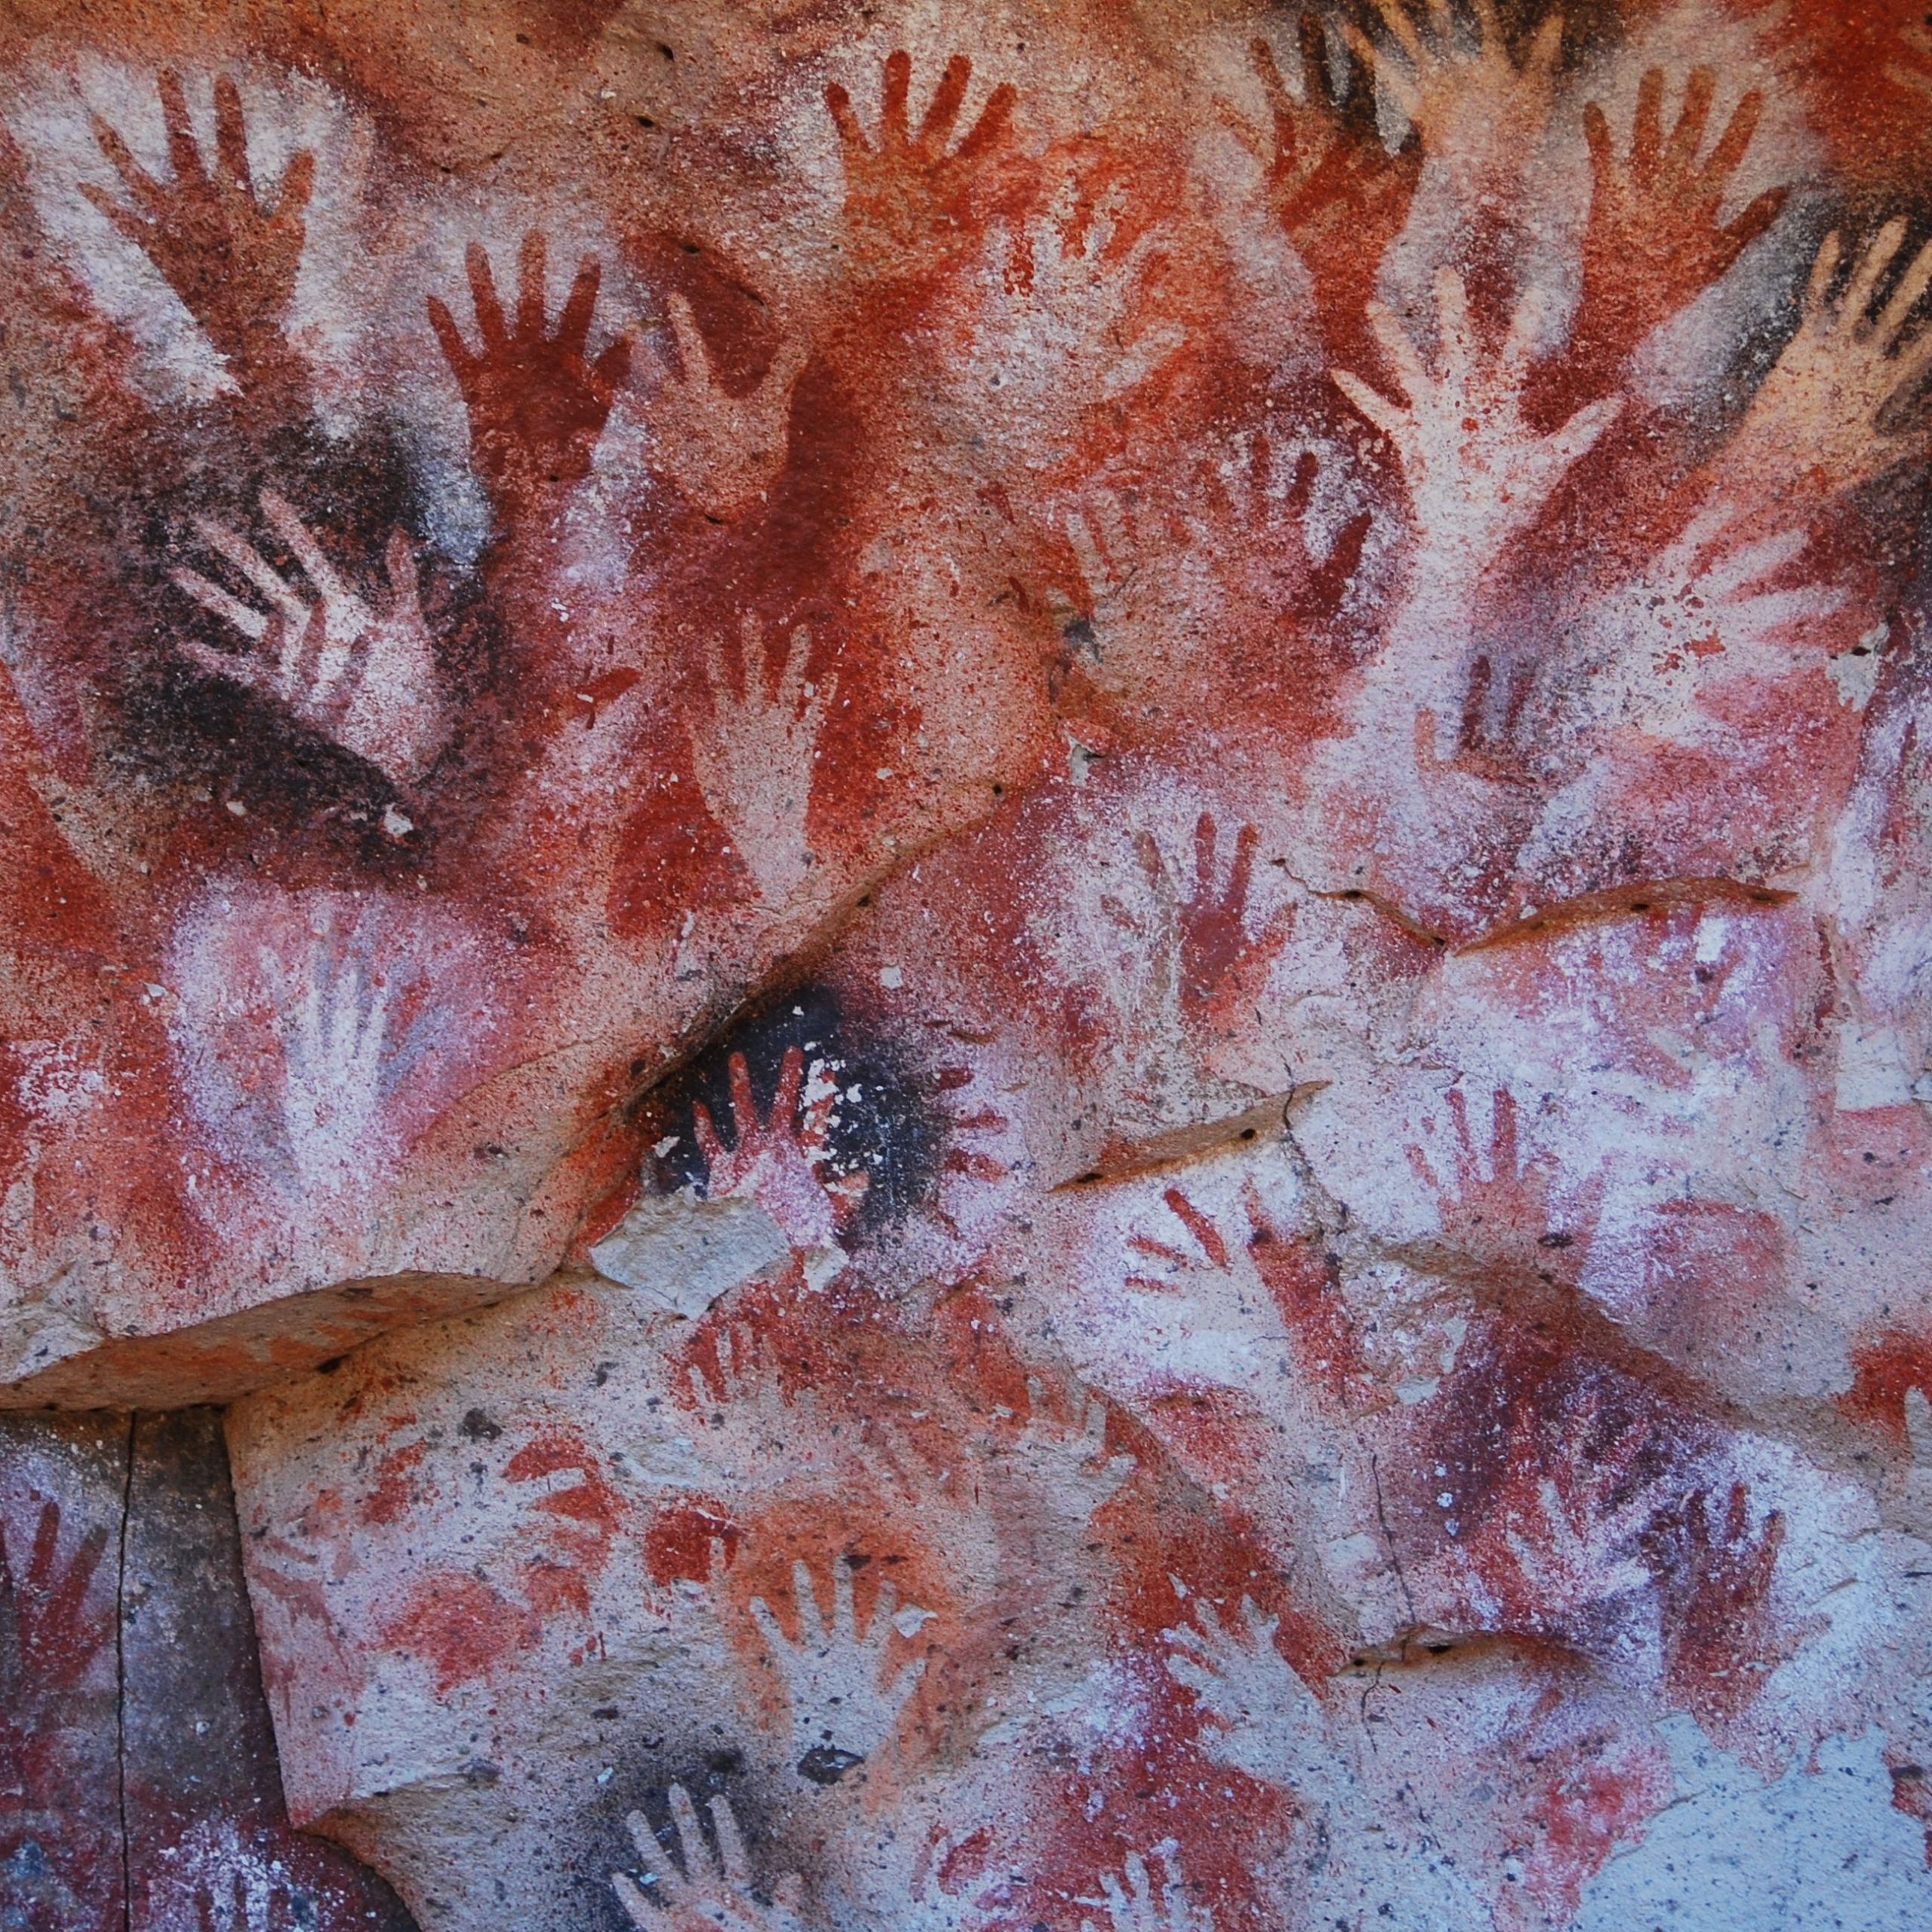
point(965, 967)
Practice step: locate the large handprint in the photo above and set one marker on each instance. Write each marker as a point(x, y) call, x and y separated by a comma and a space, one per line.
point(361, 673)
point(1341, 196)
point(232, 259)
point(1479, 473)
point(1837, 403)
point(845, 1703)
point(906, 195)
point(1655, 241)
point(537, 406)
point(721, 450)
point(756, 764)
point(1478, 109)
point(1259, 1717)
point(714, 1892)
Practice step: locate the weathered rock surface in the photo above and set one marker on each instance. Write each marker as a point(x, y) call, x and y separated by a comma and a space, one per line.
point(1010, 925)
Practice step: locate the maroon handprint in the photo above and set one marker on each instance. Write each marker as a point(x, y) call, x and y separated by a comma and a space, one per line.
point(1655, 243)
point(231, 258)
point(46, 1641)
point(1214, 938)
point(907, 198)
point(1341, 196)
point(536, 407)
point(1720, 1642)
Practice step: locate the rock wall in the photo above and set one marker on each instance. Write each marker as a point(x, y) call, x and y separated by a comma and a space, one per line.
point(965, 967)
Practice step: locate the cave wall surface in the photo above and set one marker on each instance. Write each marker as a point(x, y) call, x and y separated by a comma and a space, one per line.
point(965, 966)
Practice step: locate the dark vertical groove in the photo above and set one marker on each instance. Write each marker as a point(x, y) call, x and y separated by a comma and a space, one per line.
point(120, 1687)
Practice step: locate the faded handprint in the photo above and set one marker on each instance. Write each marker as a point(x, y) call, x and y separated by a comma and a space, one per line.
point(232, 259)
point(1260, 1718)
point(360, 673)
point(906, 196)
point(703, 1890)
point(1477, 108)
point(1502, 1215)
point(721, 450)
point(1720, 1644)
point(1270, 501)
point(46, 1641)
point(845, 1702)
point(755, 765)
point(251, 1900)
point(778, 1159)
point(1341, 196)
point(1655, 241)
point(1837, 403)
point(1070, 1457)
point(1479, 473)
point(536, 407)
point(1138, 1907)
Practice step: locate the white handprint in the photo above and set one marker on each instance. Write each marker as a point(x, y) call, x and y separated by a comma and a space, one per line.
point(363, 675)
point(1836, 401)
point(1138, 1907)
point(334, 1031)
point(1262, 1719)
point(713, 1890)
point(755, 765)
point(720, 450)
point(845, 1703)
point(1075, 1470)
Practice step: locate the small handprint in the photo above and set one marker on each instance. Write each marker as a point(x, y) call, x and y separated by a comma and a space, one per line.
point(1138, 1907)
point(1478, 109)
point(907, 197)
point(1069, 1456)
point(1214, 938)
point(361, 673)
point(537, 406)
point(1720, 1644)
point(232, 259)
point(46, 1639)
point(1838, 402)
point(1478, 473)
point(845, 1702)
point(704, 1890)
point(1341, 196)
point(1655, 241)
point(721, 451)
point(755, 765)
point(1573, 1543)
point(1260, 1718)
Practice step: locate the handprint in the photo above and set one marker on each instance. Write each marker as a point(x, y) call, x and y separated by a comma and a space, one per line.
point(1074, 1468)
point(845, 1703)
point(1214, 939)
point(1654, 242)
point(1479, 473)
point(1476, 109)
point(1139, 1908)
point(1491, 1216)
point(362, 675)
point(232, 259)
point(250, 1900)
point(46, 1641)
point(1838, 402)
point(755, 765)
point(1261, 1718)
point(536, 407)
point(1715, 1583)
point(714, 1891)
point(776, 1160)
point(720, 450)
point(1341, 196)
point(907, 199)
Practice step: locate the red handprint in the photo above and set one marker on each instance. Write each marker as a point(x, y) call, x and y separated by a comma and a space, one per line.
point(536, 407)
point(1214, 938)
point(907, 198)
point(46, 1641)
point(232, 259)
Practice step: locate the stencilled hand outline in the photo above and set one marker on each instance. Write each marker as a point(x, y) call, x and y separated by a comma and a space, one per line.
point(1259, 1717)
point(702, 1890)
point(1139, 1907)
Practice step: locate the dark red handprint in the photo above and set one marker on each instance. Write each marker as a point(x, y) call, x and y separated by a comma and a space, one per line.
point(537, 406)
point(1721, 1642)
point(1341, 196)
point(908, 198)
point(1214, 938)
point(1655, 241)
point(46, 1639)
point(231, 258)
